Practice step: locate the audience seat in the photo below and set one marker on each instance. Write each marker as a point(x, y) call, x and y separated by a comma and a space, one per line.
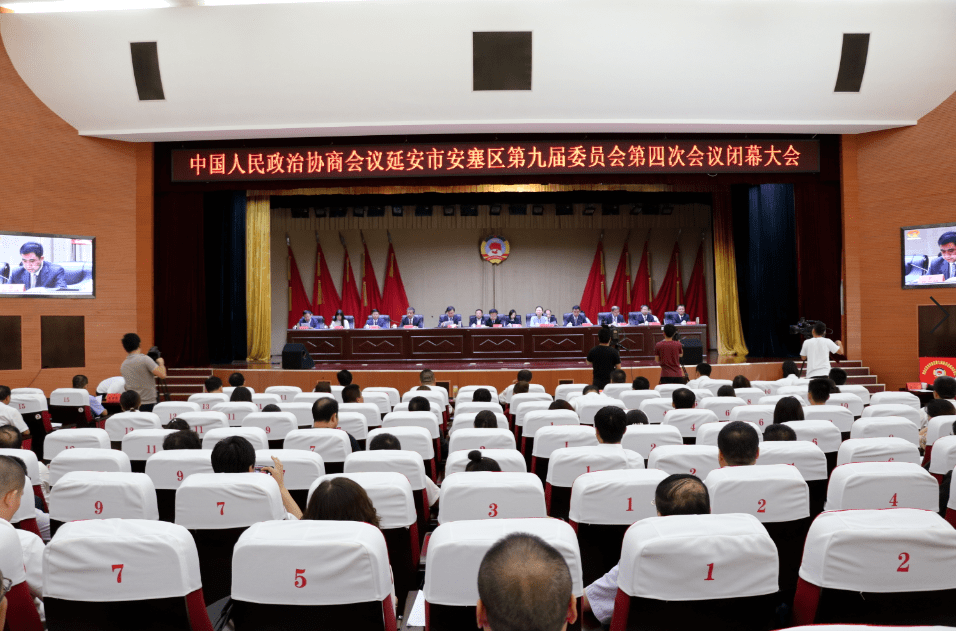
point(467, 421)
point(759, 415)
point(205, 400)
point(895, 398)
point(667, 389)
point(25, 517)
point(22, 614)
point(692, 572)
point(768, 387)
point(891, 567)
point(228, 390)
point(873, 485)
point(689, 422)
point(655, 409)
point(235, 411)
point(337, 393)
point(394, 396)
point(474, 408)
point(800, 391)
point(33, 470)
point(508, 459)
point(646, 438)
point(772, 399)
point(276, 425)
point(836, 414)
point(378, 399)
point(616, 389)
point(311, 397)
point(518, 400)
point(356, 425)
point(431, 395)
point(893, 426)
point(604, 504)
point(808, 459)
point(588, 408)
point(416, 419)
point(80, 437)
point(490, 495)
point(136, 574)
point(467, 393)
point(707, 434)
point(373, 417)
point(34, 410)
point(750, 395)
point(849, 401)
point(255, 435)
point(83, 459)
point(331, 444)
point(468, 438)
point(715, 384)
point(521, 414)
point(950, 512)
point(142, 444)
point(696, 460)
point(561, 391)
point(407, 463)
point(858, 390)
point(936, 428)
point(432, 407)
point(300, 469)
point(168, 410)
point(168, 469)
point(302, 412)
point(893, 409)
point(455, 551)
point(416, 439)
point(71, 406)
point(264, 399)
point(878, 449)
point(338, 577)
point(700, 394)
point(538, 419)
point(119, 425)
point(824, 434)
point(201, 422)
point(632, 399)
point(943, 459)
point(286, 394)
point(547, 439)
point(567, 463)
point(82, 495)
point(19, 391)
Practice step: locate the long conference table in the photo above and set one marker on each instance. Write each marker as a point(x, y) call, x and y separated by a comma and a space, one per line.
point(557, 343)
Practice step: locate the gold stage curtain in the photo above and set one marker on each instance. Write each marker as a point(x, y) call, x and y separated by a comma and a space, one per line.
point(258, 279)
point(730, 333)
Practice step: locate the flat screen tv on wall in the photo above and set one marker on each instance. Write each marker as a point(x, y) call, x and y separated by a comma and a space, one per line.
point(929, 256)
point(46, 265)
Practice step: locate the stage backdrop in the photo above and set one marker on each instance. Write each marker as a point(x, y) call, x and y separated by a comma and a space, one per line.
point(440, 263)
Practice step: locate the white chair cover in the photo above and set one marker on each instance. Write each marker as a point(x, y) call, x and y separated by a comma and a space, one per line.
point(332, 444)
point(875, 426)
point(667, 389)
point(327, 562)
point(228, 390)
point(416, 439)
point(882, 551)
point(881, 449)
point(70, 397)
point(120, 560)
point(836, 414)
point(822, 433)
point(276, 425)
point(369, 410)
point(938, 427)
point(205, 400)
point(286, 394)
point(808, 458)
point(508, 459)
point(849, 401)
point(858, 390)
point(467, 420)
point(202, 422)
point(567, 463)
point(433, 396)
point(76, 438)
point(491, 495)
point(355, 424)
point(590, 405)
point(772, 493)
point(701, 393)
point(471, 438)
point(751, 396)
point(301, 468)
point(103, 495)
point(707, 434)
point(38, 391)
point(311, 397)
point(768, 387)
point(547, 439)
point(300, 410)
point(689, 421)
point(615, 389)
point(379, 400)
point(29, 459)
point(896, 398)
point(168, 410)
point(518, 399)
point(337, 393)
point(235, 411)
point(632, 399)
point(474, 408)
point(943, 458)
point(715, 384)
point(432, 407)
point(216, 501)
point(759, 415)
point(390, 492)
point(407, 463)
point(646, 438)
point(412, 419)
point(617, 497)
point(655, 409)
point(696, 460)
point(27, 509)
point(168, 469)
point(470, 389)
point(119, 425)
point(28, 403)
point(254, 435)
point(882, 485)
point(143, 444)
point(394, 396)
point(264, 399)
point(773, 398)
point(82, 459)
point(521, 412)
point(721, 406)
point(11, 555)
point(794, 391)
point(893, 409)
point(563, 390)
point(539, 419)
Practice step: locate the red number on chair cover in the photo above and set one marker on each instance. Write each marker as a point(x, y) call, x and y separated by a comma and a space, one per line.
point(482, 447)
point(893, 501)
point(710, 572)
point(98, 507)
point(761, 506)
point(119, 576)
point(179, 476)
point(494, 510)
point(760, 422)
point(630, 508)
point(311, 447)
point(172, 415)
point(268, 430)
point(552, 423)
point(891, 435)
point(726, 412)
point(66, 399)
point(205, 406)
point(565, 443)
point(653, 446)
point(70, 447)
point(231, 416)
point(128, 430)
point(693, 427)
point(905, 565)
point(693, 471)
point(222, 507)
point(300, 581)
point(589, 469)
point(150, 449)
point(846, 405)
point(891, 459)
point(815, 442)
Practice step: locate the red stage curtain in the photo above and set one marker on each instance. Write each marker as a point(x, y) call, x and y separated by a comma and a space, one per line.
point(351, 302)
point(593, 299)
point(325, 298)
point(696, 298)
point(394, 300)
point(298, 301)
point(670, 292)
point(620, 293)
point(371, 296)
point(642, 284)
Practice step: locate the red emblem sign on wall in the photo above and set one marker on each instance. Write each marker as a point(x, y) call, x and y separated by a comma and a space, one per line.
point(495, 250)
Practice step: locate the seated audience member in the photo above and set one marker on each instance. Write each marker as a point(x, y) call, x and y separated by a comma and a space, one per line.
point(323, 386)
point(481, 395)
point(235, 454)
point(80, 382)
point(522, 387)
point(838, 376)
point(703, 376)
point(778, 432)
point(236, 380)
point(726, 391)
point(524, 583)
point(936, 407)
point(11, 438)
point(741, 382)
point(339, 321)
point(943, 388)
point(640, 383)
point(341, 499)
point(635, 417)
point(12, 479)
point(272, 407)
point(523, 375)
point(450, 320)
point(513, 319)
point(130, 401)
point(486, 420)
point(308, 321)
point(618, 376)
point(3, 602)
point(577, 318)
point(610, 423)
point(410, 319)
point(325, 413)
point(948, 478)
point(587, 391)
point(645, 316)
point(177, 423)
point(391, 442)
point(479, 318)
point(241, 394)
point(352, 394)
point(212, 385)
point(561, 404)
point(738, 445)
point(419, 404)
point(791, 374)
point(494, 319)
point(9, 416)
point(818, 391)
point(615, 318)
point(183, 439)
point(538, 318)
point(683, 399)
point(677, 494)
point(477, 463)
point(552, 319)
point(788, 409)
point(344, 377)
point(375, 319)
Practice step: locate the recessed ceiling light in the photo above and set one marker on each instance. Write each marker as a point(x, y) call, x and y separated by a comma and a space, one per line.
point(64, 6)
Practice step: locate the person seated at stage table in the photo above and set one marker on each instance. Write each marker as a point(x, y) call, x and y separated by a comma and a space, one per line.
point(450, 320)
point(645, 317)
point(513, 319)
point(740, 382)
point(376, 320)
point(791, 374)
point(788, 409)
point(410, 319)
point(614, 319)
point(551, 317)
point(478, 319)
point(339, 321)
point(308, 321)
point(640, 383)
point(352, 394)
point(538, 318)
point(494, 319)
point(577, 318)
point(682, 317)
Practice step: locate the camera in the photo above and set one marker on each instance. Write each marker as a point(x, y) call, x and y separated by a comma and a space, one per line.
point(154, 353)
point(803, 327)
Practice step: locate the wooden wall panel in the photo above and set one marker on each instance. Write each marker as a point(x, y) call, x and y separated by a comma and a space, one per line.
point(55, 181)
point(902, 177)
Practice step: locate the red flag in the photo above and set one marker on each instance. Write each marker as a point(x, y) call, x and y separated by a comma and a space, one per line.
point(620, 294)
point(298, 301)
point(696, 295)
point(642, 284)
point(394, 300)
point(593, 299)
point(371, 296)
point(669, 293)
point(325, 298)
point(351, 302)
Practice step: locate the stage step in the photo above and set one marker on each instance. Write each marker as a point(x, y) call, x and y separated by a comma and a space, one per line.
point(183, 382)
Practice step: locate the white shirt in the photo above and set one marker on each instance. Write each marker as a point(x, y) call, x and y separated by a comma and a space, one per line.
point(817, 351)
point(432, 490)
point(9, 416)
point(791, 380)
point(577, 402)
point(634, 459)
point(924, 420)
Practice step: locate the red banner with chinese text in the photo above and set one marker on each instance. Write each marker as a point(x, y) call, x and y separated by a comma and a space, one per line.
point(620, 294)
point(394, 300)
point(496, 158)
point(594, 299)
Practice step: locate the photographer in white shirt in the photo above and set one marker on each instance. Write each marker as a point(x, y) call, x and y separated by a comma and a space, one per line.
point(816, 351)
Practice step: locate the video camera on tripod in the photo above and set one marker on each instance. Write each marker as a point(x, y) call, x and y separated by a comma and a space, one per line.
point(804, 328)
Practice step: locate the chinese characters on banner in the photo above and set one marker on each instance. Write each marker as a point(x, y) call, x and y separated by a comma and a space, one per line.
point(485, 158)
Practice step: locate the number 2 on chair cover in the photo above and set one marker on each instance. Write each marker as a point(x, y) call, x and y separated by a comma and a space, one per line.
point(300, 581)
point(119, 576)
point(905, 562)
point(222, 507)
point(761, 506)
point(710, 572)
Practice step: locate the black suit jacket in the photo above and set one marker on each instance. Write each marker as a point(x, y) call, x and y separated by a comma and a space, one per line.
point(417, 320)
point(500, 320)
point(442, 319)
point(680, 319)
point(610, 319)
point(939, 265)
point(51, 276)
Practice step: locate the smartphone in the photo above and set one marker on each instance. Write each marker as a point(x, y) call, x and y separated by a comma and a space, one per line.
point(260, 469)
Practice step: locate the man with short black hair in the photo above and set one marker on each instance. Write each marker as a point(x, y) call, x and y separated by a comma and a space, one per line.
point(779, 432)
point(838, 376)
point(635, 417)
point(944, 388)
point(945, 263)
point(237, 380)
point(410, 319)
point(375, 320)
point(577, 318)
point(212, 385)
point(481, 395)
point(141, 372)
point(703, 376)
point(726, 391)
point(494, 319)
point(645, 316)
point(522, 387)
point(818, 391)
point(640, 383)
point(615, 318)
point(35, 272)
point(12, 482)
point(184, 439)
point(738, 445)
point(352, 394)
point(486, 419)
point(419, 404)
point(450, 320)
point(235, 454)
point(384, 441)
point(344, 377)
point(603, 359)
point(10, 416)
point(816, 351)
point(308, 321)
point(618, 376)
point(325, 413)
point(80, 382)
point(587, 393)
point(610, 423)
point(524, 584)
point(681, 316)
point(272, 407)
point(130, 401)
point(683, 399)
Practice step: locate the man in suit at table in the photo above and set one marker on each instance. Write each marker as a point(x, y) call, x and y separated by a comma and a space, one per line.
point(615, 319)
point(493, 319)
point(410, 319)
point(577, 318)
point(645, 317)
point(376, 320)
point(308, 321)
point(682, 317)
point(450, 320)
point(35, 272)
point(945, 263)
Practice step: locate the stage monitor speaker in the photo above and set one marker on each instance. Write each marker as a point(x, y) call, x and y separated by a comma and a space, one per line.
point(693, 352)
point(295, 357)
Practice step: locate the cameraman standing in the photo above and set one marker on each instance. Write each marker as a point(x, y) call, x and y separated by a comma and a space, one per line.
point(140, 372)
point(816, 352)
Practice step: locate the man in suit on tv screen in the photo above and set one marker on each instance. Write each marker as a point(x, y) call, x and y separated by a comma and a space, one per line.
point(945, 263)
point(35, 272)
